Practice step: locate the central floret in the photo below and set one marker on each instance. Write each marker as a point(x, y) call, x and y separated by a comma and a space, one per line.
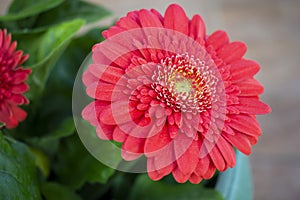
point(185, 83)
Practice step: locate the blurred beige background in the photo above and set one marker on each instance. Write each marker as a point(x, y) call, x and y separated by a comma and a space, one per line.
point(271, 28)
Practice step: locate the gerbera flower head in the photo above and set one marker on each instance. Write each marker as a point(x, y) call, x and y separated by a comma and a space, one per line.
point(12, 86)
point(170, 92)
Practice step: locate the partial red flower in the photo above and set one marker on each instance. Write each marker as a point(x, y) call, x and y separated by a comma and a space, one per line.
point(170, 92)
point(12, 86)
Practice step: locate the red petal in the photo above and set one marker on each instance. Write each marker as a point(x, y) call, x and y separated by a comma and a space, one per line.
point(157, 141)
point(202, 166)
point(98, 57)
point(112, 31)
point(250, 87)
point(210, 172)
point(88, 78)
point(148, 19)
point(132, 147)
point(127, 23)
point(217, 40)
point(227, 151)
point(154, 175)
point(252, 106)
point(112, 50)
point(11, 123)
point(197, 28)
point(23, 59)
point(21, 75)
point(128, 156)
point(106, 92)
point(155, 12)
point(228, 130)
point(177, 118)
point(105, 132)
point(166, 170)
point(108, 74)
point(189, 160)
point(195, 179)
point(119, 135)
point(134, 15)
point(10, 115)
point(152, 172)
point(176, 19)
point(12, 48)
point(253, 139)
point(16, 99)
point(243, 69)
point(217, 158)
point(245, 124)
point(101, 91)
point(18, 89)
point(6, 42)
point(164, 157)
point(232, 51)
point(89, 114)
point(240, 141)
point(119, 115)
point(2, 36)
point(186, 153)
point(157, 174)
point(179, 176)
point(173, 130)
point(18, 113)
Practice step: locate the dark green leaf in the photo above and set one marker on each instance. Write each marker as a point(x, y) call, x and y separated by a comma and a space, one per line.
point(58, 96)
point(122, 182)
point(69, 10)
point(55, 191)
point(41, 161)
point(63, 75)
point(76, 166)
point(103, 150)
point(20, 9)
point(44, 50)
point(236, 183)
point(17, 171)
point(95, 191)
point(146, 189)
point(49, 143)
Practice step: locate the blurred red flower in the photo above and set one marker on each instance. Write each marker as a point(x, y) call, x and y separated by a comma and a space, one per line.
point(167, 90)
point(12, 86)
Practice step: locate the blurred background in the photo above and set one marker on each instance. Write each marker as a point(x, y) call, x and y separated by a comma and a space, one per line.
point(271, 28)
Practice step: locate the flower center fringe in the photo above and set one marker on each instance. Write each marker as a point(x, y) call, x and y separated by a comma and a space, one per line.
point(185, 83)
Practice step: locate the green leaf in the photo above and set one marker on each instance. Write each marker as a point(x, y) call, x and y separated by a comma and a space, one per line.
point(236, 183)
point(69, 10)
point(44, 50)
point(20, 9)
point(58, 96)
point(41, 161)
point(76, 166)
point(121, 183)
point(104, 150)
point(54, 191)
point(50, 142)
point(146, 189)
point(17, 171)
point(63, 75)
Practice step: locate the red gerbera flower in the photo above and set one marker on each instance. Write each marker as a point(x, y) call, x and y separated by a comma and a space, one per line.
point(168, 91)
point(12, 77)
